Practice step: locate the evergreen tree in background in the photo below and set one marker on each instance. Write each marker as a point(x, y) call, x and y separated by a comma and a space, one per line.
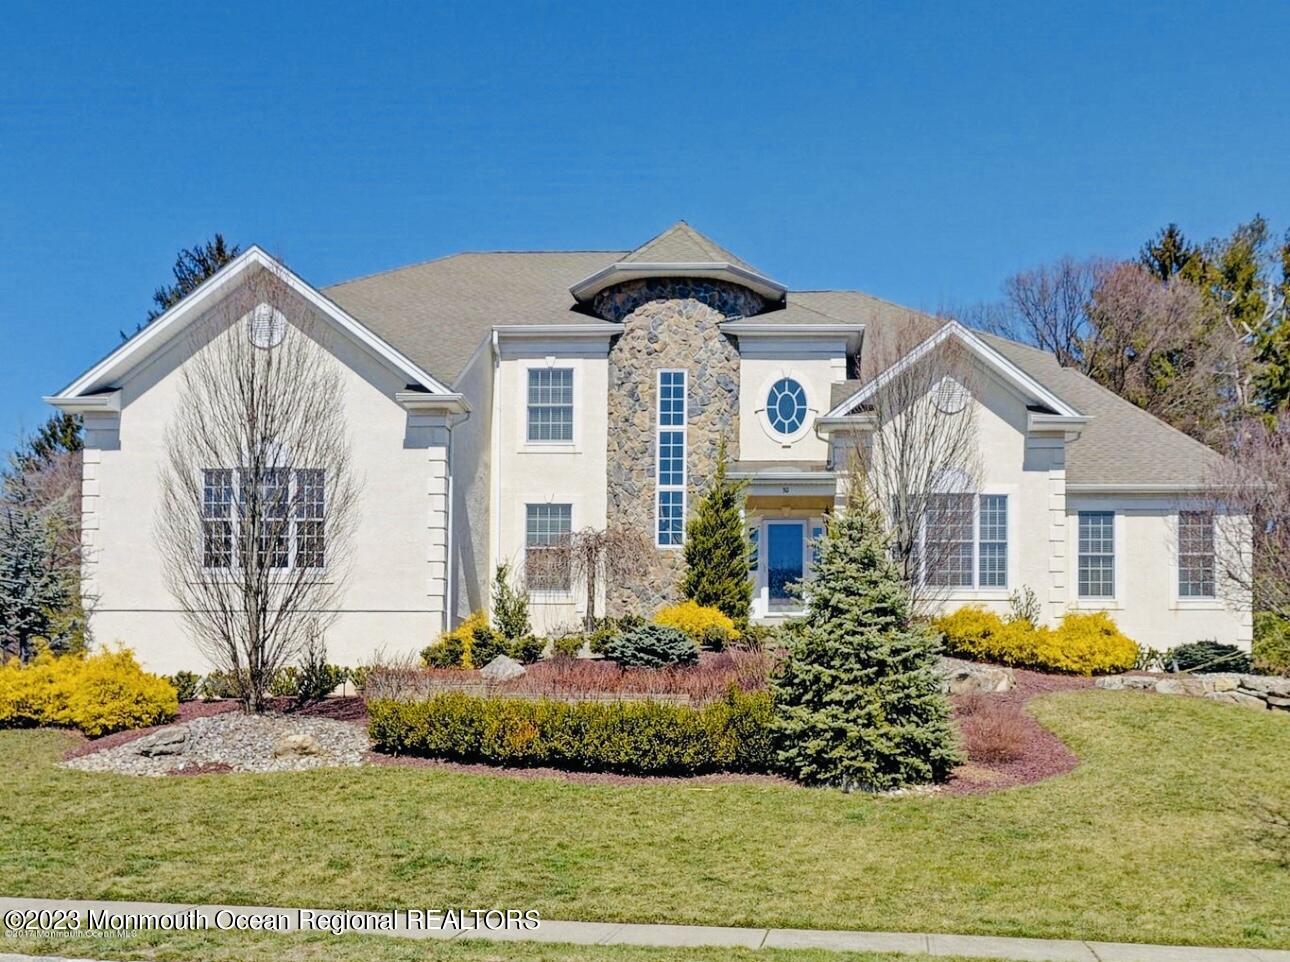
point(193, 265)
point(37, 593)
point(858, 703)
point(61, 433)
point(716, 548)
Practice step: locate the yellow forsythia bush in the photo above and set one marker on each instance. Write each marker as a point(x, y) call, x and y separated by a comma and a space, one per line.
point(1083, 644)
point(696, 620)
point(452, 649)
point(99, 694)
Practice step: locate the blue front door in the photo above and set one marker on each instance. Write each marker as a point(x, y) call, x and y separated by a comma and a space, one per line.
point(785, 544)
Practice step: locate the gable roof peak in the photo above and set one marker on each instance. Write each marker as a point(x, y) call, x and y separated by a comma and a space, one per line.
point(682, 244)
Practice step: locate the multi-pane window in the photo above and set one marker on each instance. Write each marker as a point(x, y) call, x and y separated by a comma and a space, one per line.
point(546, 535)
point(550, 404)
point(948, 540)
point(277, 513)
point(992, 541)
point(1097, 554)
point(311, 502)
point(670, 458)
point(217, 517)
point(1195, 554)
point(964, 541)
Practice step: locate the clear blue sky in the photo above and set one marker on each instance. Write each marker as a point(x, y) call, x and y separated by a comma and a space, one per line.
point(919, 153)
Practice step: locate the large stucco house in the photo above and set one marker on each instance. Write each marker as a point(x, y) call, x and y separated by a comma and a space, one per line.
point(499, 400)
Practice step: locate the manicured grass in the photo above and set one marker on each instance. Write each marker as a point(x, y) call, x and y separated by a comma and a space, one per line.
point(1149, 839)
point(313, 947)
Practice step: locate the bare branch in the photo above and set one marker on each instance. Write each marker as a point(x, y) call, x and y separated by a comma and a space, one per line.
point(259, 498)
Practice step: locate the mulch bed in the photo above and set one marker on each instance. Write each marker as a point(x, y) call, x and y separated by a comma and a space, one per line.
point(1043, 754)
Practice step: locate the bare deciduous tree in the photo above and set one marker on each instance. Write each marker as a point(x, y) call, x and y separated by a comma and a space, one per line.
point(592, 557)
point(258, 490)
point(921, 461)
point(1047, 307)
point(1254, 483)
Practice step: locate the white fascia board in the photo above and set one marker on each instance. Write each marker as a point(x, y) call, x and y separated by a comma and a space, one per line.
point(605, 329)
point(1055, 423)
point(622, 272)
point(166, 327)
point(851, 333)
point(992, 358)
point(845, 423)
point(422, 402)
point(108, 402)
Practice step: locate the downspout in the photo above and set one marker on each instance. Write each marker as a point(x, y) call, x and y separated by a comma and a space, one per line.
point(450, 587)
point(495, 469)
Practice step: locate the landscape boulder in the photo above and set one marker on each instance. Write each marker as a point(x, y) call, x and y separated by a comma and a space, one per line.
point(502, 668)
point(960, 677)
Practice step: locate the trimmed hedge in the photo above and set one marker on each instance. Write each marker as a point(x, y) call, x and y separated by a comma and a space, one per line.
point(627, 737)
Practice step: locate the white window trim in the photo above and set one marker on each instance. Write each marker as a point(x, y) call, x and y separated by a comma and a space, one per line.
point(550, 447)
point(1116, 601)
point(544, 596)
point(1192, 602)
point(763, 417)
point(659, 428)
point(234, 566)
point(975, 592)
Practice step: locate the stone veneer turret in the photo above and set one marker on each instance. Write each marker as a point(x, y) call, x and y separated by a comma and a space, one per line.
point(668, 323)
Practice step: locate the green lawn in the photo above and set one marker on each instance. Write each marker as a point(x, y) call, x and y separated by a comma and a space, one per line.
point(313, 947)
point(1148, 840)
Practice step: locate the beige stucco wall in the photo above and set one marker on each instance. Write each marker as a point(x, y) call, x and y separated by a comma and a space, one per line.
point(534, 473)
point(471, 470)
point(395, 594)
point(814, 363)
point(1147, 607)
point(1029, 467)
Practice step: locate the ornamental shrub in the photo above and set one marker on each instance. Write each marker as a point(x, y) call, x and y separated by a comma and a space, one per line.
point(628, 737)
point(700, 622)
point(510, 606)
point(717, 552)
point(652, 646)
point(185, 684)
point(453, 648)
point(1206, 656)
point(1085, 643)
point(858, 702)
point(99, 694)
point(1271, 644)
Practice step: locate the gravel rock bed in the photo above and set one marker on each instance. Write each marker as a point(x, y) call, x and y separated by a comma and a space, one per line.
point(234, 742)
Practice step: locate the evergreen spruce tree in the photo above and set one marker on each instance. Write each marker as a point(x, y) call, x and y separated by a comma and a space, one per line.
point(716, 548)
point(858, 703)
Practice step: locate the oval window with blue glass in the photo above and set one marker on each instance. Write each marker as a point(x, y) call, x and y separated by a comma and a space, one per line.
point(786, 406)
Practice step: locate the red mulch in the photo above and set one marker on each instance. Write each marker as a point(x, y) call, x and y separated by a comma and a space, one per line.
point(1043, 754)
point(585, 778)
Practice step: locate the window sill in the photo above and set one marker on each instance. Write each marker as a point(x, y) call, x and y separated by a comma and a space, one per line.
point(549, 447)
point(973, 594)
point(1197, 604)
point(551, 597)
point(1096, 604)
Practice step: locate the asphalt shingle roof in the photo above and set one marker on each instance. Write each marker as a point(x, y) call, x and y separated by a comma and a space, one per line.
point(439, 312)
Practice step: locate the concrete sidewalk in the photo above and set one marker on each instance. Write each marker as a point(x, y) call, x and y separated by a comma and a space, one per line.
point(400, 924)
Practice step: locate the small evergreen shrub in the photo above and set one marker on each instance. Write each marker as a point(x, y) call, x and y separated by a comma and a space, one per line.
point(717, 552)
point(701, 623)
point(1207, 656)
point(217, 685)
point(858, 701)
point(185, 684)
point(98, 694)
point(453, 648)
point(1271, 654)
point(359, 675)
point(628, 737)
point(568, 646)
point(285, 683)
point(652, 646)
point(510, 606)
point(316, 678)
point(1085, 643)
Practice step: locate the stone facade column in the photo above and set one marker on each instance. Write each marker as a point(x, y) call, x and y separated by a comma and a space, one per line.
point(668, 324)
